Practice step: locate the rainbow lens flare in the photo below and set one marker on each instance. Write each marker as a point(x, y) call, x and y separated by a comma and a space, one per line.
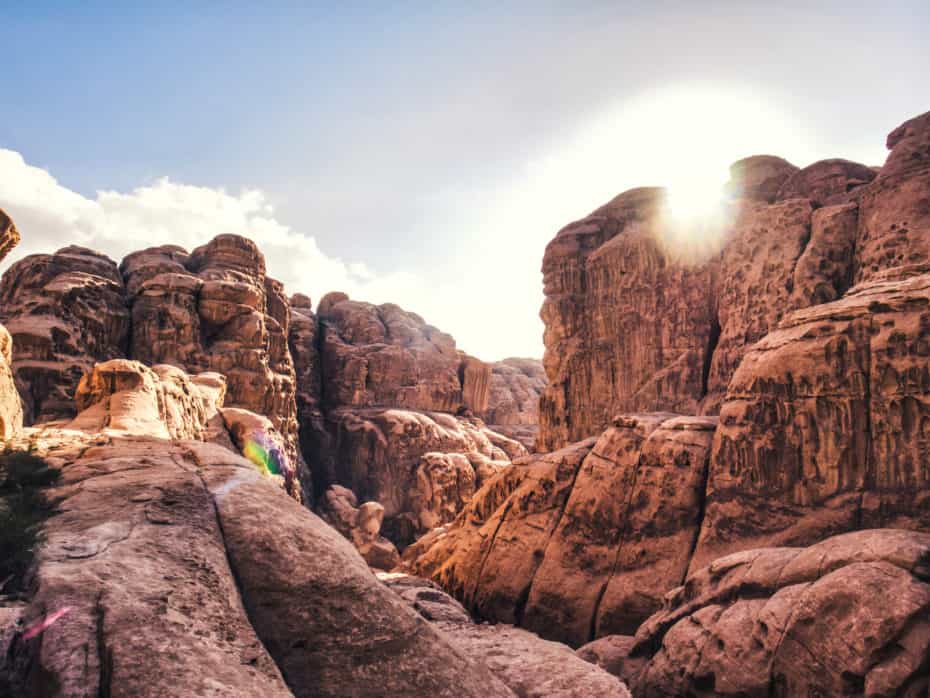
point(268, 457)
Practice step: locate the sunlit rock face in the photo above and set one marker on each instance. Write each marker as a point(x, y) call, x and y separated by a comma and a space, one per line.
point(823, 390)
point(216, 310)
point(848, 616)
point(11, 409)
point(647, 310)
point(65, 312)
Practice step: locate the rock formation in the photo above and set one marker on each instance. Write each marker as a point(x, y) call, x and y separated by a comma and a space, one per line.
point(513, 403)
point(65, 311)
point(389, 419)
point(360, 524)
point(216, 310)
point(819, 364)
point(173, 565)
point(848, 616)
point(529, 665)
point(644, 313)
point(11, 409)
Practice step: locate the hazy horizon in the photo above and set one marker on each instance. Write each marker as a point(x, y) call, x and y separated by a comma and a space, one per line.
point(423, 156)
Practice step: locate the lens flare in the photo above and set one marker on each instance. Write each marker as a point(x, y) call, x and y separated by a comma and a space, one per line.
point(262, 450)
point(43, 623)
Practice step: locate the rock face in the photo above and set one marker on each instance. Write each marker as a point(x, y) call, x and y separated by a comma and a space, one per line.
point(586, 540)
point(639, 316)
point(11, 409)
point(65, 312)
point(529, 665)
point(383, 356)
point(215, 310)
point(173, 565)
point(513, 404)
point(848, 616)
point(422, 467)
point(9, 235)
point(818, 362)
point(821, 431)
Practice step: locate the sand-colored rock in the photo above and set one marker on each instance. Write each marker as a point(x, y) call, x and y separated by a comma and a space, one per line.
point(65, 311)
point(821, 429)
point(216, 310)
point(11, 409)
point(384, 356)
point(847, 616)
point(584, 541)
point(9, 235)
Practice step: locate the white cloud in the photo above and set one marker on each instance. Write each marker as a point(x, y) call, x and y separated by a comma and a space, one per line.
point(50, 216)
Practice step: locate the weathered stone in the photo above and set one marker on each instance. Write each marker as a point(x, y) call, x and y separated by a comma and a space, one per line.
point(9, 235)
point(513, 403)
point(65, 311)
point(360, 524)
point(529, 665)
point(848, 616)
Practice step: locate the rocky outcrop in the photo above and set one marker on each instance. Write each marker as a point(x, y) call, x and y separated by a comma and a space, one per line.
point(645, 313)
point(422, 467)
point(848, 616)
point(11, 409)
point(359, 524)
point(583, 541)
point(821, 431)
point(65, 312)
point(384, 356)
point(529, 665)
point(216, 310)
point(513, 403)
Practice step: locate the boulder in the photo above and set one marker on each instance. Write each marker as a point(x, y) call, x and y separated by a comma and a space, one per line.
point(360, 524)
point(9, 235)
point(847, 616)
point(529, 665)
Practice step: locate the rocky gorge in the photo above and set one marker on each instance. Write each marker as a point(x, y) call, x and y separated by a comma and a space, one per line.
point(716, 481)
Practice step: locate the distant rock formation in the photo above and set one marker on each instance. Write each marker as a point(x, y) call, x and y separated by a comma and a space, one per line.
point(513, 404)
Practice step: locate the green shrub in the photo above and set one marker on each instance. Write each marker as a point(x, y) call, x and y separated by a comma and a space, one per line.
point(23, 508)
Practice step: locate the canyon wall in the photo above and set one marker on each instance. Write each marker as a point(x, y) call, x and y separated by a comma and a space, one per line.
point(820, 365)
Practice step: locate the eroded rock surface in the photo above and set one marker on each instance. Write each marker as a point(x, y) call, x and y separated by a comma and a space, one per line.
point(360, 524)
point(848, 616)
point(422, 467)
point(173, 565)
point(645, 313)
point(216, 310)
point(65, 312)
point(583, 541)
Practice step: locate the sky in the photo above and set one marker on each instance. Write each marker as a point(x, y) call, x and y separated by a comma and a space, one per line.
point(423, 153)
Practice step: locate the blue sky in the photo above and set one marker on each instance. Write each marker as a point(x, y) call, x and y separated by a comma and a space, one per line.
point(423, 153)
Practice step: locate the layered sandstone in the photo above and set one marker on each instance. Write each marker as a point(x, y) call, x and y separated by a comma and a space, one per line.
point(645, 312)
point(11, 409)
point(215, 309)
point(65, 312)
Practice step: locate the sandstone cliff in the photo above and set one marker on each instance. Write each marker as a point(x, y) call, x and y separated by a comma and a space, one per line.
point(822, 384)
